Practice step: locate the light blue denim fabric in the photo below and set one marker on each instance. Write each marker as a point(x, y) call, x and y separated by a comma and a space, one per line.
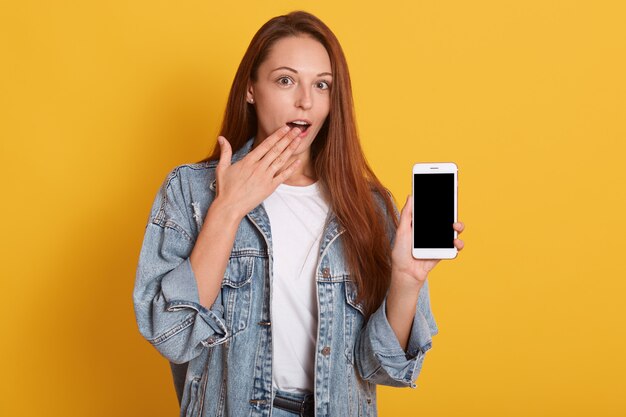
point(222, 357)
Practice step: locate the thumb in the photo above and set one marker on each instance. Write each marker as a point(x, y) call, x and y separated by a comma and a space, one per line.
point(225, 153)
point(407, 211)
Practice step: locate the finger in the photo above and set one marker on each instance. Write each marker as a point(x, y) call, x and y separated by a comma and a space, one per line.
point(458, 226)
point(280, 178)
point(405, 214)
point(258, 152)
point(459, 244)
point(277, 150)
point(225, 153)
point(282, 159)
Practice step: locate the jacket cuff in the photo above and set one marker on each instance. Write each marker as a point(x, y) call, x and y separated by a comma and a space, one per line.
point(180, 290)
point(420, 338)
point(384, 346)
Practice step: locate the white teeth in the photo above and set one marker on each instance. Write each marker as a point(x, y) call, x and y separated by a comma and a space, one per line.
point(299, 122)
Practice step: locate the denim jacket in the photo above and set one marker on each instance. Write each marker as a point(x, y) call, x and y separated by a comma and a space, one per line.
point(227, 349)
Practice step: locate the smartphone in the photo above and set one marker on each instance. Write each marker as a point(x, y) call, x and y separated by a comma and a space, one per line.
point(435, 192)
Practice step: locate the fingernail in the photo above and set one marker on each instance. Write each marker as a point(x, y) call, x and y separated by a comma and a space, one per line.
point(220, 140)
point(286, 128)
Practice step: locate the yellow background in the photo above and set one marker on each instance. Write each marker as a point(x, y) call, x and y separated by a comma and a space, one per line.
point(99, 100)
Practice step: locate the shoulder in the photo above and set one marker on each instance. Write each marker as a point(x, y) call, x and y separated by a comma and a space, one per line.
point(197, 174)
point(182, 185)
point(391, 215)
point(189, 173)
point(382, 197)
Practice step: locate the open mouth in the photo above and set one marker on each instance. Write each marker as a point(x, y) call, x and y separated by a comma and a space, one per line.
point(301, 124)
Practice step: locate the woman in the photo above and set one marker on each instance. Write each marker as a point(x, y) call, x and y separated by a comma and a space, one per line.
point(267, 275)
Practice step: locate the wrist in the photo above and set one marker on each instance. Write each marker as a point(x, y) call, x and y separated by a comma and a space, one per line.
point(226, 213)
point(405, 280)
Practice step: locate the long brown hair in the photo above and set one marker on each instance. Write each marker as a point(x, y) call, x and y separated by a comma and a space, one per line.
point(338, 159)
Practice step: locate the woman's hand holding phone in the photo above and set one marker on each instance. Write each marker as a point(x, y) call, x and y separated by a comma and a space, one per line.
point(404, 266)
point(245, 184)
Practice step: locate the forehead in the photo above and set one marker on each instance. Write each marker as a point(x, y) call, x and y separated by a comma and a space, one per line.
point(302, 53)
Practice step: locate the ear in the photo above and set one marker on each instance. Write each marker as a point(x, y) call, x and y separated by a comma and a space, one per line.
point(250, 93)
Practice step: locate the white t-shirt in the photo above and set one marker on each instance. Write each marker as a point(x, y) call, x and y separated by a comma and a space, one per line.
point(297, 216)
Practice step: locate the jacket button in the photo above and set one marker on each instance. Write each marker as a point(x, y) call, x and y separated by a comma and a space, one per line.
point(325, 272)
point(326, 351)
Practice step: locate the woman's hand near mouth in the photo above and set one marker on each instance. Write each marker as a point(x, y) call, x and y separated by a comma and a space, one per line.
point(245, 184)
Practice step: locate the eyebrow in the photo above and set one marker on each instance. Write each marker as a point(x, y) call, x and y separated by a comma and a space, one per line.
point(293, 70)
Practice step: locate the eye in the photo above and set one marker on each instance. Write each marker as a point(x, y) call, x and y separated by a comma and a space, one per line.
point(325, 85)
point(281, 79)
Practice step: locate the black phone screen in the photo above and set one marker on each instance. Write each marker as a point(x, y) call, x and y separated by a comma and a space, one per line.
point(433, 210)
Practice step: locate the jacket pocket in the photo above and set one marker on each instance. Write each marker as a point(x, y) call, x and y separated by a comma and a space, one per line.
point(237, 292)
point(351, 296)
point(353, 318)
point(192, 404)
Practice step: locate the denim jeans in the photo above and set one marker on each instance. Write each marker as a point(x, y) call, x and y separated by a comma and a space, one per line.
point(279, 412)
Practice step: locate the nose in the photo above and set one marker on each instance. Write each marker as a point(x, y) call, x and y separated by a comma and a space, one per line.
point(303, 98)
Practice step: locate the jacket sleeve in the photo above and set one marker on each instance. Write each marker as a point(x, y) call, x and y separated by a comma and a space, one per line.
point(379, 356)
point(166, 301)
